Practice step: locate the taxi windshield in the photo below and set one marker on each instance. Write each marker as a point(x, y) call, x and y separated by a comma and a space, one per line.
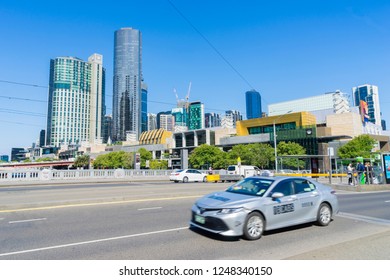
point(251, 186)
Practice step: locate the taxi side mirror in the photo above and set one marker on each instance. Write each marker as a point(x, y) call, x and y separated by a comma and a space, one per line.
point(277, 195)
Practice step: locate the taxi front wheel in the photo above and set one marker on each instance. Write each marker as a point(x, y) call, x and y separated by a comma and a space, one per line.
point(254, 226)
point(324, 215)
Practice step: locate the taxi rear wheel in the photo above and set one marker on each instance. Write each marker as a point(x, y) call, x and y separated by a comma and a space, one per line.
point(324, 215)
point(254, 226)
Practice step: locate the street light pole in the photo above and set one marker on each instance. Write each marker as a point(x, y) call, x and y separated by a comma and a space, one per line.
point(275, 149)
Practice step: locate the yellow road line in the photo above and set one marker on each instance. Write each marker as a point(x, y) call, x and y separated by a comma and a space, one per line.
point(97, 203)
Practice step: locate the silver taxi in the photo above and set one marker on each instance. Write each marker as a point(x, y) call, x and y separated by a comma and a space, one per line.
point(256, 204)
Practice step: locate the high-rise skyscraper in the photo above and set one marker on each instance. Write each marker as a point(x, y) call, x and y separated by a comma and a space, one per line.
point(107, 128)
point(152, 121)
point(128, 94)
point(144, 107)
point(368, 94)
point(253, 104)
point(212, 120)
point(231, 116)
point(196, 115)
point(76, 100)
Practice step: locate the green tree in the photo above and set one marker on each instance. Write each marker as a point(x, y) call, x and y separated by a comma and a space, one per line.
point(260, 154)
point(145, 155)
point(206, 155)
point(360, 146)
point(239, 151)
point(291, 148)
point(45, 159)
point(114, 160)
point(158, 164)
point(82, 161)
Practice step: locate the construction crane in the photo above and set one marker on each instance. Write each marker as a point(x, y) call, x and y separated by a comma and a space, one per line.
point(188, 93)
point(183, 102)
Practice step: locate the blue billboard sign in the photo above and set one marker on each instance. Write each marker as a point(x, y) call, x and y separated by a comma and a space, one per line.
point(386, 161)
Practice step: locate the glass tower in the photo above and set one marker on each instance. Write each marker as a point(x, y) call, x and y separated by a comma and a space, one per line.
point(144, 107)
point(196, 116)
point(76, 100)
point(253, 104)
point(370, 95)
point(127, 111)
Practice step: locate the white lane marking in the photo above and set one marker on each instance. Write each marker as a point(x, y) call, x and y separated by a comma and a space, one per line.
point(151, 208)
point(99, 203)
point(387, 201)
point(1, 219)
point(91, 241)
point(367, 219)
point(27, 221)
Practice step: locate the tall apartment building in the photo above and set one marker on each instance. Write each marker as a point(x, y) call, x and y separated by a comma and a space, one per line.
point(144, 107)
point(152, 121)
point(195, 116)
point(107, 128)
point(76, 100)
point(253, 104)
point(212, 120)
point(42, 138)
point(129, 92)
point(370, 95)
point(167, 122)
point(231, 118)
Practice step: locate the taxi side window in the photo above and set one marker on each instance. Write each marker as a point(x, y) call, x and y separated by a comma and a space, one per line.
point(303, 186)
point(284, 187)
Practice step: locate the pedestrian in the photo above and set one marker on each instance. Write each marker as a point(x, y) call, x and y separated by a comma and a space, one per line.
point(350, 173)
point(360, 172)
point(210, 170)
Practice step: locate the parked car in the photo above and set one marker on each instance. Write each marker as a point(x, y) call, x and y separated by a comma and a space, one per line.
point(267, 173)
point(243, 170)
point(257, 204)
point(286, 171)
point(187, 175)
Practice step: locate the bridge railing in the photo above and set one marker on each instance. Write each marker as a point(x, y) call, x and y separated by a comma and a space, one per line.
point(28, 175)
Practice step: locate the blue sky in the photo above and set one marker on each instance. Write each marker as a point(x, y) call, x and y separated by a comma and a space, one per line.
point(283, 49)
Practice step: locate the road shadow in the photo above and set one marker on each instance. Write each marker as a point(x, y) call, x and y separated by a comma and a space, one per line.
point(214, 236)
point(219, 237)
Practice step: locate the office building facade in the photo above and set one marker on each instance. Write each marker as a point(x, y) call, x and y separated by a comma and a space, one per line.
point(336, 101)
point(107, 129)
point(231, 118)
point(195, 116)
point(167, 122)
point(76, 100)
point(368, 95)
point(152, 121)
point(128, 92)
point(253, 104)
point(212, 120)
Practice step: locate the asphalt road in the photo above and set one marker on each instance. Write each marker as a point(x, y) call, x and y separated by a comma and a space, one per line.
point(149, 221)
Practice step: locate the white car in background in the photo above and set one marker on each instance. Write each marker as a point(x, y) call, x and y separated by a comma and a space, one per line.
point(266, 173)
point(188, 175)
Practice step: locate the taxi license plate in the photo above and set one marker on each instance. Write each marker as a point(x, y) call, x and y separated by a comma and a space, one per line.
point(200, 219)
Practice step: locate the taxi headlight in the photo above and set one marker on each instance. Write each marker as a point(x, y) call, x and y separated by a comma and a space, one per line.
point(230, 210)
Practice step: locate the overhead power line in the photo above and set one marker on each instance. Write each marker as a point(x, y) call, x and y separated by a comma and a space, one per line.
point(22, 84)
point(23, 99)
point(20, 123)
point(26, 113)
point(211, 45)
